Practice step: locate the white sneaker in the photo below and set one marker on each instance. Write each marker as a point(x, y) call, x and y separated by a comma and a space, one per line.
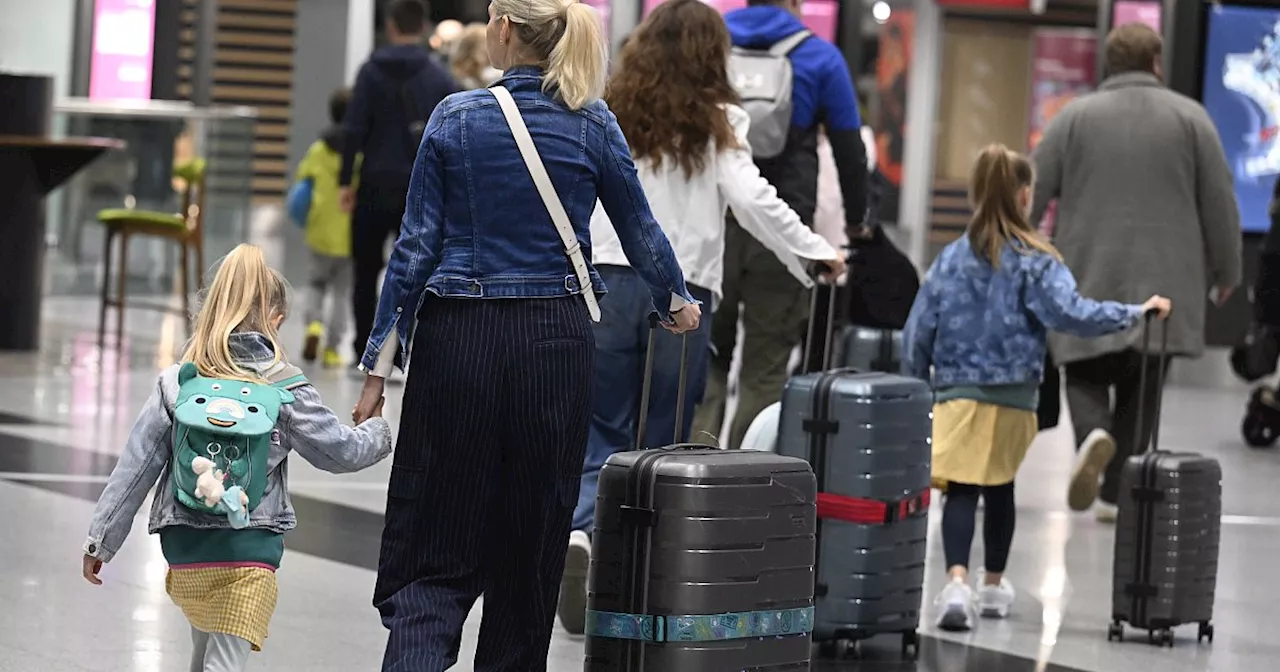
point(995, 601)
point(1106, 513)
point(1096, 453)
point(957, 611)
point(572, 608)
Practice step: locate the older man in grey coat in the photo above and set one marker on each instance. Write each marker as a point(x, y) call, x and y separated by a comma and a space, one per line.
point(1145, 206)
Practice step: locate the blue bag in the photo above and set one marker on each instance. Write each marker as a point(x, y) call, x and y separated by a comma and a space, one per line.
point(298, 202)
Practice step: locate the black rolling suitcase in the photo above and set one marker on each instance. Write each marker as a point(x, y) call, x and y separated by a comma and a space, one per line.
point(1167, 534)
point(701, 559)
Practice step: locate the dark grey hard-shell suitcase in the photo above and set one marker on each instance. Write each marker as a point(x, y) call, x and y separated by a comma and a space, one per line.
point(702, 560)
point(867, 436)
point(1167, 534)
point(867, 349)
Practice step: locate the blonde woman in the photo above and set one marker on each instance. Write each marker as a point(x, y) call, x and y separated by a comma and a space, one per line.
point(222, 575)
point(470, 62)
point(494, 272)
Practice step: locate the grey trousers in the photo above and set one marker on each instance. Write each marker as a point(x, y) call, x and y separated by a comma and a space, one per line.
point(216, 652)
point(329, 277)
point(1103, 393)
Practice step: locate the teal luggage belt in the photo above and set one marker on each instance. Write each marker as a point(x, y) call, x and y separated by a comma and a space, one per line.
point(741, 625)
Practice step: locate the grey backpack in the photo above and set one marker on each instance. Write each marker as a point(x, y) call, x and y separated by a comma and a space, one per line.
point(763, 79)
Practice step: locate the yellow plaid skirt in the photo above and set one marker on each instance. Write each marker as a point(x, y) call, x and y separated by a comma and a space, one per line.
point(229, 600)
point(979, 444)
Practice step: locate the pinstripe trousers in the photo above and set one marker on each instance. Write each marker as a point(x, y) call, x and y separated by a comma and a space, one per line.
point(484, 480)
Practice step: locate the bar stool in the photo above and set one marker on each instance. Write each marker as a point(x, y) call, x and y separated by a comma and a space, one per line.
point(184, 227)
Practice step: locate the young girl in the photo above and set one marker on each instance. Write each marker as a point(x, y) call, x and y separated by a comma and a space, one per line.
point(977, 330)
point(223, 544)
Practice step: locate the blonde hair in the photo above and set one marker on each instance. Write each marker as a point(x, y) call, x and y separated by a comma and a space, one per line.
point(470, 56)
point(998, 219)
point(566, 38)
point(246, 295)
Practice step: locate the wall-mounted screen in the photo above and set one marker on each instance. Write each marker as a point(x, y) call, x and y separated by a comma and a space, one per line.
point(123, 40)
point(1242, 95)
point(1136, 11)
point(820, 16)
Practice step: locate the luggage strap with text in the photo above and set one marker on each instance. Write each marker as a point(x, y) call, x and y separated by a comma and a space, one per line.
point(870, 511)
point(718, 627)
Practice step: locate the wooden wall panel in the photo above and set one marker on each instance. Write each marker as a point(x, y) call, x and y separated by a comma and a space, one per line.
point(252, 65)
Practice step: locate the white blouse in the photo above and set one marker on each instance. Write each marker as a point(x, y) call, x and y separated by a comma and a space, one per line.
point(691, 211)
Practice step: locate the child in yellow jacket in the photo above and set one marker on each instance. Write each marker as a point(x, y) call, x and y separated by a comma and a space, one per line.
point(328, 231)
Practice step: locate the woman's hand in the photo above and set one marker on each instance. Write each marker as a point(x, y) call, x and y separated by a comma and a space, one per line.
point(830, 270)
point(91, 568)
point(1158, 305)
point(371, 399)
point(687, 319)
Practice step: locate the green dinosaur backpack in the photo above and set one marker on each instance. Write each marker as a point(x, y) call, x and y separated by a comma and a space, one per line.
point(223, 432)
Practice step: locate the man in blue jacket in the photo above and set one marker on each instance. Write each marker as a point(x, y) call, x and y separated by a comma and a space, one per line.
point(394, 94)
point(774, 306)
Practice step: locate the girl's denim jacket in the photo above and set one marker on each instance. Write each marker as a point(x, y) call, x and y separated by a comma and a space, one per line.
point(973, 324)
point(306, 426)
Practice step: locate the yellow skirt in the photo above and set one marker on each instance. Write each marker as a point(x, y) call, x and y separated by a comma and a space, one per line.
point(229, 600)
point(979, 444)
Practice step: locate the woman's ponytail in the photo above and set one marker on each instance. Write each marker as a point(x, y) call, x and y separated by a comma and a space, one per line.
point(567, 37)
point(576, 66)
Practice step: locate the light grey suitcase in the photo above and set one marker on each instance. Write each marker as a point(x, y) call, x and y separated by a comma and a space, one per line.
point(701, 560)
point(867, 436)
point(1167, 534)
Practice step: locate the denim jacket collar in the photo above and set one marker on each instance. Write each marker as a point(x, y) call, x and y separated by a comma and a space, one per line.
point(522, 72)
point(251, 347)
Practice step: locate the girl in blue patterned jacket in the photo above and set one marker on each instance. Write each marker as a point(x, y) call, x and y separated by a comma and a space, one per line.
point(978, 331)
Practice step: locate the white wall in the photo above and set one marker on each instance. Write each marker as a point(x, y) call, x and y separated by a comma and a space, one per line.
point(37, 38)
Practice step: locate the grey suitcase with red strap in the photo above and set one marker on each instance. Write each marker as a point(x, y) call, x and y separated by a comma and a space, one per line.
point(701, 560)
point(1167, 533)
point(867, 436)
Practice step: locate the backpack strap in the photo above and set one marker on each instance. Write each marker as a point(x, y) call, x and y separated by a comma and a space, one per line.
point(288, 377)
point(786, 45)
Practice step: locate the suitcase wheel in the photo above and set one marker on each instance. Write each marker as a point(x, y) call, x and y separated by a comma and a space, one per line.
point(1160, 638)
point(1257, 430)
point(911, 644)
point(1115, 632)
point(837, 649)
point(1206, 632)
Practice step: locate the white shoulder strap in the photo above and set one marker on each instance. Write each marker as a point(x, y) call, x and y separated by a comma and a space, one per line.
point(549, 197)
point(789, 43)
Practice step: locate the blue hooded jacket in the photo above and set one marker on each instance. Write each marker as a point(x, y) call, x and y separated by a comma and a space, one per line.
point(822, 96)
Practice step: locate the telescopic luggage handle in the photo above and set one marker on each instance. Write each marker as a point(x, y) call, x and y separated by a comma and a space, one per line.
point(1162, 361)
point(810, 334)
point(646, 389)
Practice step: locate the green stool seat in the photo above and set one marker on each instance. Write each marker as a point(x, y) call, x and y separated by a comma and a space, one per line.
point(184, 227)
point(117, 216)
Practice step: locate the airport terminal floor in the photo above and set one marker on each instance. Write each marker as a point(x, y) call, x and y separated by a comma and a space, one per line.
point(65, 411)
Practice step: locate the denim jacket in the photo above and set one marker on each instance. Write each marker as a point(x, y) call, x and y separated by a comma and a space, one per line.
point(306, 426)
point(979, 325)
point(476, 228)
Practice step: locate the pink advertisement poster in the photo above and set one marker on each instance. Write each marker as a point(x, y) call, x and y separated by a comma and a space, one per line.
point(1136, 11)
point(1062, 69)
point(604, 8)
point(820, 16)
point(123, 32)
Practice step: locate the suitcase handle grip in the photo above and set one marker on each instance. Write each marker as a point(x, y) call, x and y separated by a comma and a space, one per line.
point(1162, 365)
point(810, 332)
point(647, 386)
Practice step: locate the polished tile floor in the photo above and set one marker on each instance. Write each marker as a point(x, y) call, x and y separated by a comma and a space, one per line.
point(65, 411)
